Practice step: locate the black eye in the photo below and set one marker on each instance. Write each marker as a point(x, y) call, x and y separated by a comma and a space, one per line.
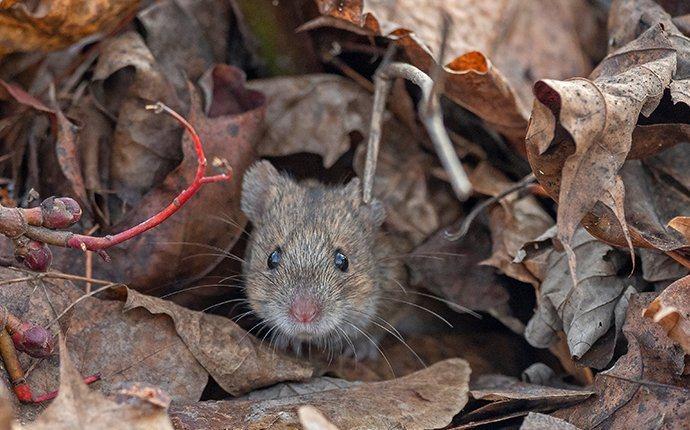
point(274, 258)
point(340, 260)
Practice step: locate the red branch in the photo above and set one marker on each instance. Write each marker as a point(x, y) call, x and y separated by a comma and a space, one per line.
point(98, 244)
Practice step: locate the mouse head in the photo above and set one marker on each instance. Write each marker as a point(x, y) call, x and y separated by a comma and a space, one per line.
point(310, 267)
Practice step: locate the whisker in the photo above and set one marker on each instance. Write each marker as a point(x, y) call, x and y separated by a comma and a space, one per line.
point(224, 302)
point(214, 254)
point(239, 317)
point(395, 335)
point(231, 222)
point(456, 307)
point(196, 287)
point(420, 307)
point(375, 345)
point(347, 338)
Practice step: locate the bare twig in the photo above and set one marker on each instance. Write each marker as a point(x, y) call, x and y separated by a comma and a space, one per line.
point(430, 114)
point(467, 221)
point(17, 223)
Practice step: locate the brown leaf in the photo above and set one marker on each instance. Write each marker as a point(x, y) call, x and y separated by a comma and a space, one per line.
point(235, 360)
point(79, 407)
point(628, 82)
point(312, 113)
point(425, 399)
point(587, 311)
point(494, 47)
point(67, 152)
point(102, 339)
point(642, 388)
point(50, 26)
point(145, 147)
point(510, 397)
point(682, 225)
point(671, 310)
point(452, 269)
point(582, 131)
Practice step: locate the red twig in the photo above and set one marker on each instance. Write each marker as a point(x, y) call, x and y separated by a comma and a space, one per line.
point(49, 236)
point(20, 387)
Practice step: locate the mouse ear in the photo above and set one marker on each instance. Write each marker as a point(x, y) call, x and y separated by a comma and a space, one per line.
point(260, 186)
point(353, 190)
point(376, 212)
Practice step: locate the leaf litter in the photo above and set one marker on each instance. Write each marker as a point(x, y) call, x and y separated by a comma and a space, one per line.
point(557, 269)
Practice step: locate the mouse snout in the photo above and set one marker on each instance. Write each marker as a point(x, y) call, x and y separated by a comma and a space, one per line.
point(304, 308)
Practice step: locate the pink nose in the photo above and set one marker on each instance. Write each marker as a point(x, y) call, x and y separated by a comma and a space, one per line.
point(304, 309)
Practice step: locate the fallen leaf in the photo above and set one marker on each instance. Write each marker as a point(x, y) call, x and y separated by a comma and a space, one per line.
point(659, 268)
point(451, 269)
point(425, 399)
point(45, 27)
point(671, 310)
point(643, 388)
point(681, 224)
point(510, 397)
point(582, 131)
point(587, 311)
point(102, 339)
point(493, 46)
point(179, 58)
point(77, 406)
point(234, 359)
point(145, 146)
point(312, 113)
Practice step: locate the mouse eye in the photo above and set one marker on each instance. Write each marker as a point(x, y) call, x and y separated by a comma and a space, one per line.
point(340, 260)
point(274, 258)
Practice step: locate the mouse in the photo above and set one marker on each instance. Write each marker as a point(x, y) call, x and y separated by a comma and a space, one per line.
point(318, 268)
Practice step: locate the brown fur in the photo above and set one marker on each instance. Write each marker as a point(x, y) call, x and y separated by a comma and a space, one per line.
point(309, 221)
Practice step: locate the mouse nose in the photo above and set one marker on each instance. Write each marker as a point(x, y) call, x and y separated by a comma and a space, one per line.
point(304, 309)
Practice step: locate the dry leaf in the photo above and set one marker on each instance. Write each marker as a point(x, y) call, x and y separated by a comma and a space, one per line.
point(45, 26)
point(671, 310)
point(643, 388)
point(494, 47)
point(80, 407)
point(234, 359)
point(510, 397)
point(681, 224)
point(312, 113)
point(423, 400)
point(587, 311)
point(146, 147)
point(582, 131)
point(483, 350)
point(102, 339)
point(451, 270)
